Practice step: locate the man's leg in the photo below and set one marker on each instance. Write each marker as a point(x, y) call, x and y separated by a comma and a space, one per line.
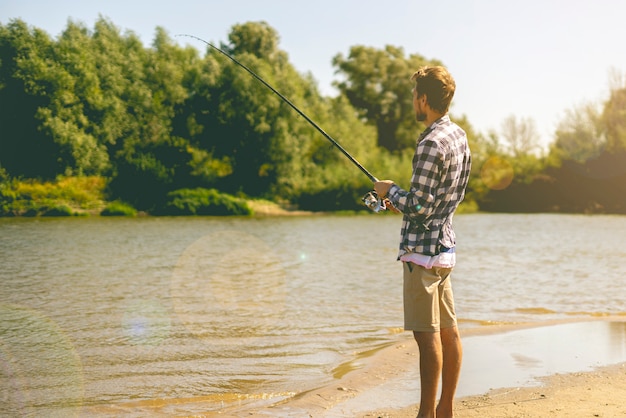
point(431, 360)
point(452, 357)
point(428, 300)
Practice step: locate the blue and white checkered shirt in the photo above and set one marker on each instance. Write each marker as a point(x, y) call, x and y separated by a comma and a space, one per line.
point(441, 169)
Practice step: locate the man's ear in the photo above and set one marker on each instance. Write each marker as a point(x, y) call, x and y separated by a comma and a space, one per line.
point(425, 99)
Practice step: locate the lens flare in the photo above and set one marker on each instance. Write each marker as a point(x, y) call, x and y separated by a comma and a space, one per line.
point(146, 323)
point(497, 173)
point(224, 275)
point(39, 366)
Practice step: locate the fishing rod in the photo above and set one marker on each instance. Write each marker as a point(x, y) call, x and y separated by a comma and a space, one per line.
point(371, 199)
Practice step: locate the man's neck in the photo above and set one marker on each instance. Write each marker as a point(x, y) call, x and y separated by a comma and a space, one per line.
point(431, 117)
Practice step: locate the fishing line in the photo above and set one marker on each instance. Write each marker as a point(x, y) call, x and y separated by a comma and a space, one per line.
point(371, 199)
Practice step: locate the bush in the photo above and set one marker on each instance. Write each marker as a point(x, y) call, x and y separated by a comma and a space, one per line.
point(64, 197)
point(60, 210)
point(118, 208)
point(207, 202)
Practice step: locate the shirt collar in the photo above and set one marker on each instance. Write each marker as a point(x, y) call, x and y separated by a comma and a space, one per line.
point(444, 119)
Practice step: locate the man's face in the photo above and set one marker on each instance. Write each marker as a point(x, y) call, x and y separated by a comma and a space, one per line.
point(418, 106)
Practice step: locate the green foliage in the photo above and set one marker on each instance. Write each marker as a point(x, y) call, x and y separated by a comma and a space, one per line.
point(4, 177)
point(118, 208)
point(11, 203)
point(377, 84)
point(204, 202)
point(614, 119)
point(24, 148)
point(581, 135)
point(167, 129)
point(595, 186)
point(65, 196)
point(62, 210)
point(259, 39)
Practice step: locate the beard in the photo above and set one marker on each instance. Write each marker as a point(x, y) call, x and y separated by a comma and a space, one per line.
point(420, 116)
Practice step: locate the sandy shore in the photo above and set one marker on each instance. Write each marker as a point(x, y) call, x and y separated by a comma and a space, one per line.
point(377, 387)
point(600, 393)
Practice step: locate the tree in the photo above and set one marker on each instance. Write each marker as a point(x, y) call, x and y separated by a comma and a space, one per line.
point(257, 38)
point(70, 72)
point(150, 161)
point(241, 122)
point(614, 115)
point(193, 118)
point(377, 84)
point(581, 135)
point(244, 120)
point(25, 150)
point(520, 135)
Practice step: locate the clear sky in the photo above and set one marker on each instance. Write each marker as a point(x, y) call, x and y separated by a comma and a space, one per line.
point(532, 59)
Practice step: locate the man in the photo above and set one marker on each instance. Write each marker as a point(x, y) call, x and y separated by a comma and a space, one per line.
point(441, 168)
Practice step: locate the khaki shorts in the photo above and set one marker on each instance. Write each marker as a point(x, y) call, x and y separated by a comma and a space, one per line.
point(428, 299)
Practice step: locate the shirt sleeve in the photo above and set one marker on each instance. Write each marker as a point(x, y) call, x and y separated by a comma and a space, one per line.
point(420, 199)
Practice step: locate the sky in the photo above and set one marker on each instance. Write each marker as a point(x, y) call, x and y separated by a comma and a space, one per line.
point(532, 59)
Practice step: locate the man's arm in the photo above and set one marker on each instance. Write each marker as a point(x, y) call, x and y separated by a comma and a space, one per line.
point(420, 199)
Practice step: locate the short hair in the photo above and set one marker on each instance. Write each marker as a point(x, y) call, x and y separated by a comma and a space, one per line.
point(437, 84)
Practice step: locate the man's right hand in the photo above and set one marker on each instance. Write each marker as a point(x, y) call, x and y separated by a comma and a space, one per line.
point(382, 188)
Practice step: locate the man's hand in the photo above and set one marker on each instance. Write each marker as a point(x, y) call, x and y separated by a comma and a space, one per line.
point(382, 188)
point(389, 206)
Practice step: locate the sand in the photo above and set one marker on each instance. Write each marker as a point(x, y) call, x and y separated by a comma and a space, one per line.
point(371, 388)
point(601, 393)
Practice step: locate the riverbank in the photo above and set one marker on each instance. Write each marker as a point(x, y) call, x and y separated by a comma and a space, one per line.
point(384, 384)
point(590, 394)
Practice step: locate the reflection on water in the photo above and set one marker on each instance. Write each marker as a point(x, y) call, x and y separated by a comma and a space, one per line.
point(524, 355)
point(102, 312)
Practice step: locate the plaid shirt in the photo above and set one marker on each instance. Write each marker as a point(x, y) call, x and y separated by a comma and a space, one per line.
point(441, 168)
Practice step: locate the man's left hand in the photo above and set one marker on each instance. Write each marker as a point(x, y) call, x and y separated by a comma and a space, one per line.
point(390, 207)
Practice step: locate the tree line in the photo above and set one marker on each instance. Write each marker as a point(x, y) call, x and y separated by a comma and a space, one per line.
point(165, 125)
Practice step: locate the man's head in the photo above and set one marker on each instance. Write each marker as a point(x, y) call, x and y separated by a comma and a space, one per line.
point(436, 87)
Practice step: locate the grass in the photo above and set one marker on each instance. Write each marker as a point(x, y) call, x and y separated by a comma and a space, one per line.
point(76, 196)
point(118, 208)
point(67, 196)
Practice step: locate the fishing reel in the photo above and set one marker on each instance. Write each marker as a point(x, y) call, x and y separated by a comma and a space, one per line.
point(373, 202)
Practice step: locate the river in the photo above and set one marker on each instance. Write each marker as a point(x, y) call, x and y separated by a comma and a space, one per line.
point(104, 311)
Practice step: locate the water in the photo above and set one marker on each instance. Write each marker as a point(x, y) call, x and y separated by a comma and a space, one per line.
point(504, 361)
point(97, 314)
point(519, 267)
